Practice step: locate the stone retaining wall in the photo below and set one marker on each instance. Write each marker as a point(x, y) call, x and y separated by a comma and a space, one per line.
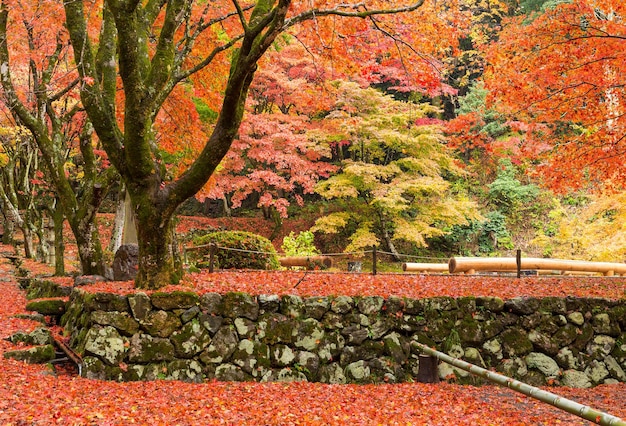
point(235, 336)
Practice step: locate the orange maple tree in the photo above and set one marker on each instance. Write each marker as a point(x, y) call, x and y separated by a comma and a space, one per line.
point(562, 72)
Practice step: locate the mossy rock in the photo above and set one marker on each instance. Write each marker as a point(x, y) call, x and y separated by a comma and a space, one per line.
point(39, 336)
point(175, 300)
point(34, 355)
point(47, 306)
point(105, 302)
point(38, 289)
point(251, 251)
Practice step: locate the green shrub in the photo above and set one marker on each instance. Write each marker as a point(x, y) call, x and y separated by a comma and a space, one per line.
point(250, 251)
point(299, 245)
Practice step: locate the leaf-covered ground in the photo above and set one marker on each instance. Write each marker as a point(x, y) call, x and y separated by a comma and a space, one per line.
point(404, 285)
point(31, 395)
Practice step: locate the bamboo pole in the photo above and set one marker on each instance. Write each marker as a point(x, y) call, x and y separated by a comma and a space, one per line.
point(306, 261)
point(565, 404)
point(467, 264)
point(425, 267)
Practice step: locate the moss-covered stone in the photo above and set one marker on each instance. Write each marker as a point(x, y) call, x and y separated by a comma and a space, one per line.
point(470, 331)
point(105, 343)
point(122, 321)
point(269, 303)
point(38, 289)
point(370, 305)
point(39, 336)
point(543, 363)
point(354, 334)
point(515, 342)
point(566, 335)
point(34, 355)
point(174, 300)
point(522, 305)
point(161, 323)
point(332, 374)
point(331, 347)
point(147, 349)
point(105, 302)
point(278, 328)
point(246, 329)
point(210, 303)
point(221, 348)
point(358, 372)
point(543, 343)
point(583, 336)
point(211, 322)
point(252, 357)
point(491, 304)
point(308, 334)
point(292, 306)
point(186, 370)
point(234, 305)
point(47, 306)
point(440, 328)
point(466, 306)
point(188, 314)
point(397, 347)
point(342, 305)
point(554, 305)
point(93, 368)
point(191, 339)
point(140, 305)
point(231, 373)
point(602, 323)
point(316, 307)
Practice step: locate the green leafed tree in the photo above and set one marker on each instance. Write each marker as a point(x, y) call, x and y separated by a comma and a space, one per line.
point(396, 185)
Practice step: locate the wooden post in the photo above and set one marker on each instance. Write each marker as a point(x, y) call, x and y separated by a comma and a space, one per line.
point(427, 371)
point(374, 259)
point(518, 262)
point(212, 250)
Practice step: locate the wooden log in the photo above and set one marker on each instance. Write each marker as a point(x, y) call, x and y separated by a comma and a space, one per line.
point(425, 267)
point(497, 264)
point(308, 262)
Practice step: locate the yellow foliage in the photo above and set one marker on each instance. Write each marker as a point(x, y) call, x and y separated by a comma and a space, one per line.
point(594, 232)
point(332, 223)
point(362, 238)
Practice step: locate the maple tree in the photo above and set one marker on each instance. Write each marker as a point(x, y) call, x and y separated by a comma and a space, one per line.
point(560, 71)
point(273, 158)
point(22, 192)
point(393, 184)
point(39, 90)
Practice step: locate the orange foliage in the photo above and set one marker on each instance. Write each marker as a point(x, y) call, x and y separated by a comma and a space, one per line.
point(563, 74)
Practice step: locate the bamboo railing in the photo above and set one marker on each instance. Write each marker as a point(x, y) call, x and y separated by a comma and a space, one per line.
point(308, 262)
point(470, 265)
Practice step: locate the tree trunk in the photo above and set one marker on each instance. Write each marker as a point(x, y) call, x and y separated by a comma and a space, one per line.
point(387, 237)
point(89, 246)
point(156, 262)
point(59, 243)
point(29, 250)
